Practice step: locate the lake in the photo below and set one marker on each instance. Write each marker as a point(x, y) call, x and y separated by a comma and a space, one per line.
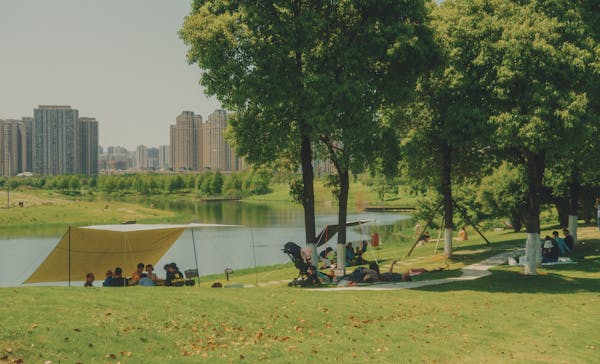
point(262, 231)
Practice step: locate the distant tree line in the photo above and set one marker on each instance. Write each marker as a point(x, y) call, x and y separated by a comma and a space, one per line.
point(207, 184)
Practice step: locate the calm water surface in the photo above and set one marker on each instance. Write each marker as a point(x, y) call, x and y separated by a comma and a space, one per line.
point(264, 228)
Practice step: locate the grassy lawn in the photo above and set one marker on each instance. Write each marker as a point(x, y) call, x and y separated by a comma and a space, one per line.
point(45, 210)
point(359, 197)
point(550, 318)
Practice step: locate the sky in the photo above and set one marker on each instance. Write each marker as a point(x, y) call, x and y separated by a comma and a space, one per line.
point(121, 62)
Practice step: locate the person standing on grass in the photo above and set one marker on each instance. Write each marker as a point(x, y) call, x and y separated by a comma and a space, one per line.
point(569, 241)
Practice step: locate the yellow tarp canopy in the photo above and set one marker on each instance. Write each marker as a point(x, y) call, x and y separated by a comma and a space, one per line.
point(99, 248)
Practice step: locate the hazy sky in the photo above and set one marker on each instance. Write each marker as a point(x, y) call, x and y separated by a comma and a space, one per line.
point(119, 61)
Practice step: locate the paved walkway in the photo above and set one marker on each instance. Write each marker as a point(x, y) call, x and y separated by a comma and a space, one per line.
point(470, 272)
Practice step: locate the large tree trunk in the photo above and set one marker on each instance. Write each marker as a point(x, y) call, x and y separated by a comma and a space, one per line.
point(562, 208)
point(447, 196)
point(308, 198)
point(342, 216)
point(535, 165)
point(573, 201)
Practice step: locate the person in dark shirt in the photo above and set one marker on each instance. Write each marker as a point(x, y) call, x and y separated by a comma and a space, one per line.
point(174, 276)
point(313, 278)
point(568, 239)
point(89, 280)
point(550, 250)
point(108, 279)
point(118, 279)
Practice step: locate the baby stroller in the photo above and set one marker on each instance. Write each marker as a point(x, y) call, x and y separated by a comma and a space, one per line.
point(294, 251)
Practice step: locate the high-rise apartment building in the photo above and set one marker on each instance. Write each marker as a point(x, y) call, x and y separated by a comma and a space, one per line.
point(116, 158)
point(216, 153)
point(61, 142)
point(141, 157)
point(88, 146)
point(164, 157)
point(28, 123)
point(153, 155)
point(196, 146)
point(185, 143)
point(55, 137)
point(12, 147)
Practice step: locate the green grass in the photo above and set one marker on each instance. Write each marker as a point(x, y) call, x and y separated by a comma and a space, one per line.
point(359, 197)
point(44, 210)
point(550, 318)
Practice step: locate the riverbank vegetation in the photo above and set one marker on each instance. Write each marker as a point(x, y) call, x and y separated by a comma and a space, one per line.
point(484, 317)
point(207, 184)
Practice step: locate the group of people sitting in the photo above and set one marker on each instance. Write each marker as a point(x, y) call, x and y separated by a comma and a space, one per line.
point(143, 276)
point(555, 246)
point(354, 256)
point(359, 275)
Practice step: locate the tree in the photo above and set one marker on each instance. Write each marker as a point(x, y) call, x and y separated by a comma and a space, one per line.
point(369, 54)
point(444, 130)
point(503, 194)
point(255, 58)
point(531, 60)
point(216, 183)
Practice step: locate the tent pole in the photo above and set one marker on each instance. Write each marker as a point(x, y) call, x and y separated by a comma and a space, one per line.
point(464, 214)
point(424, 229)
point(124, 250)
point(69, 255)
point(195, 256)
point(254, 253)
point(362, 233)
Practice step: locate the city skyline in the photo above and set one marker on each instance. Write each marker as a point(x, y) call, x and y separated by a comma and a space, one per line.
point(77, 53)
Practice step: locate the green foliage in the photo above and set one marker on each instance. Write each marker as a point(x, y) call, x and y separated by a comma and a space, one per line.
point(504, 194)
point(247, 183)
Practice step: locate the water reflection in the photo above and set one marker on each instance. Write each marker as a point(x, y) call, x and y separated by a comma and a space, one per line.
point(264, 228)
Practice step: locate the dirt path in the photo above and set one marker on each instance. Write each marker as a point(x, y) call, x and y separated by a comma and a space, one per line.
point(470, 272)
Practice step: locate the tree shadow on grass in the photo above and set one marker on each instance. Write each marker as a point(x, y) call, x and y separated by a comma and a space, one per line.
point(507, 281)
point(554, 279)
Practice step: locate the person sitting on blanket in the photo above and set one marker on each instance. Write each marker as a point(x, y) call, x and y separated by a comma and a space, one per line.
point(108, 279)
point(550, 250)
point(349, 254)
point(564, 249)
point(118, 280)
point(150, 273)
point(313, 277)
point(174, 276)
point(323, 257)
point(89, 280)
point(145, 281)
point(137, 274)
point(358, 258)
point(569, 239)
